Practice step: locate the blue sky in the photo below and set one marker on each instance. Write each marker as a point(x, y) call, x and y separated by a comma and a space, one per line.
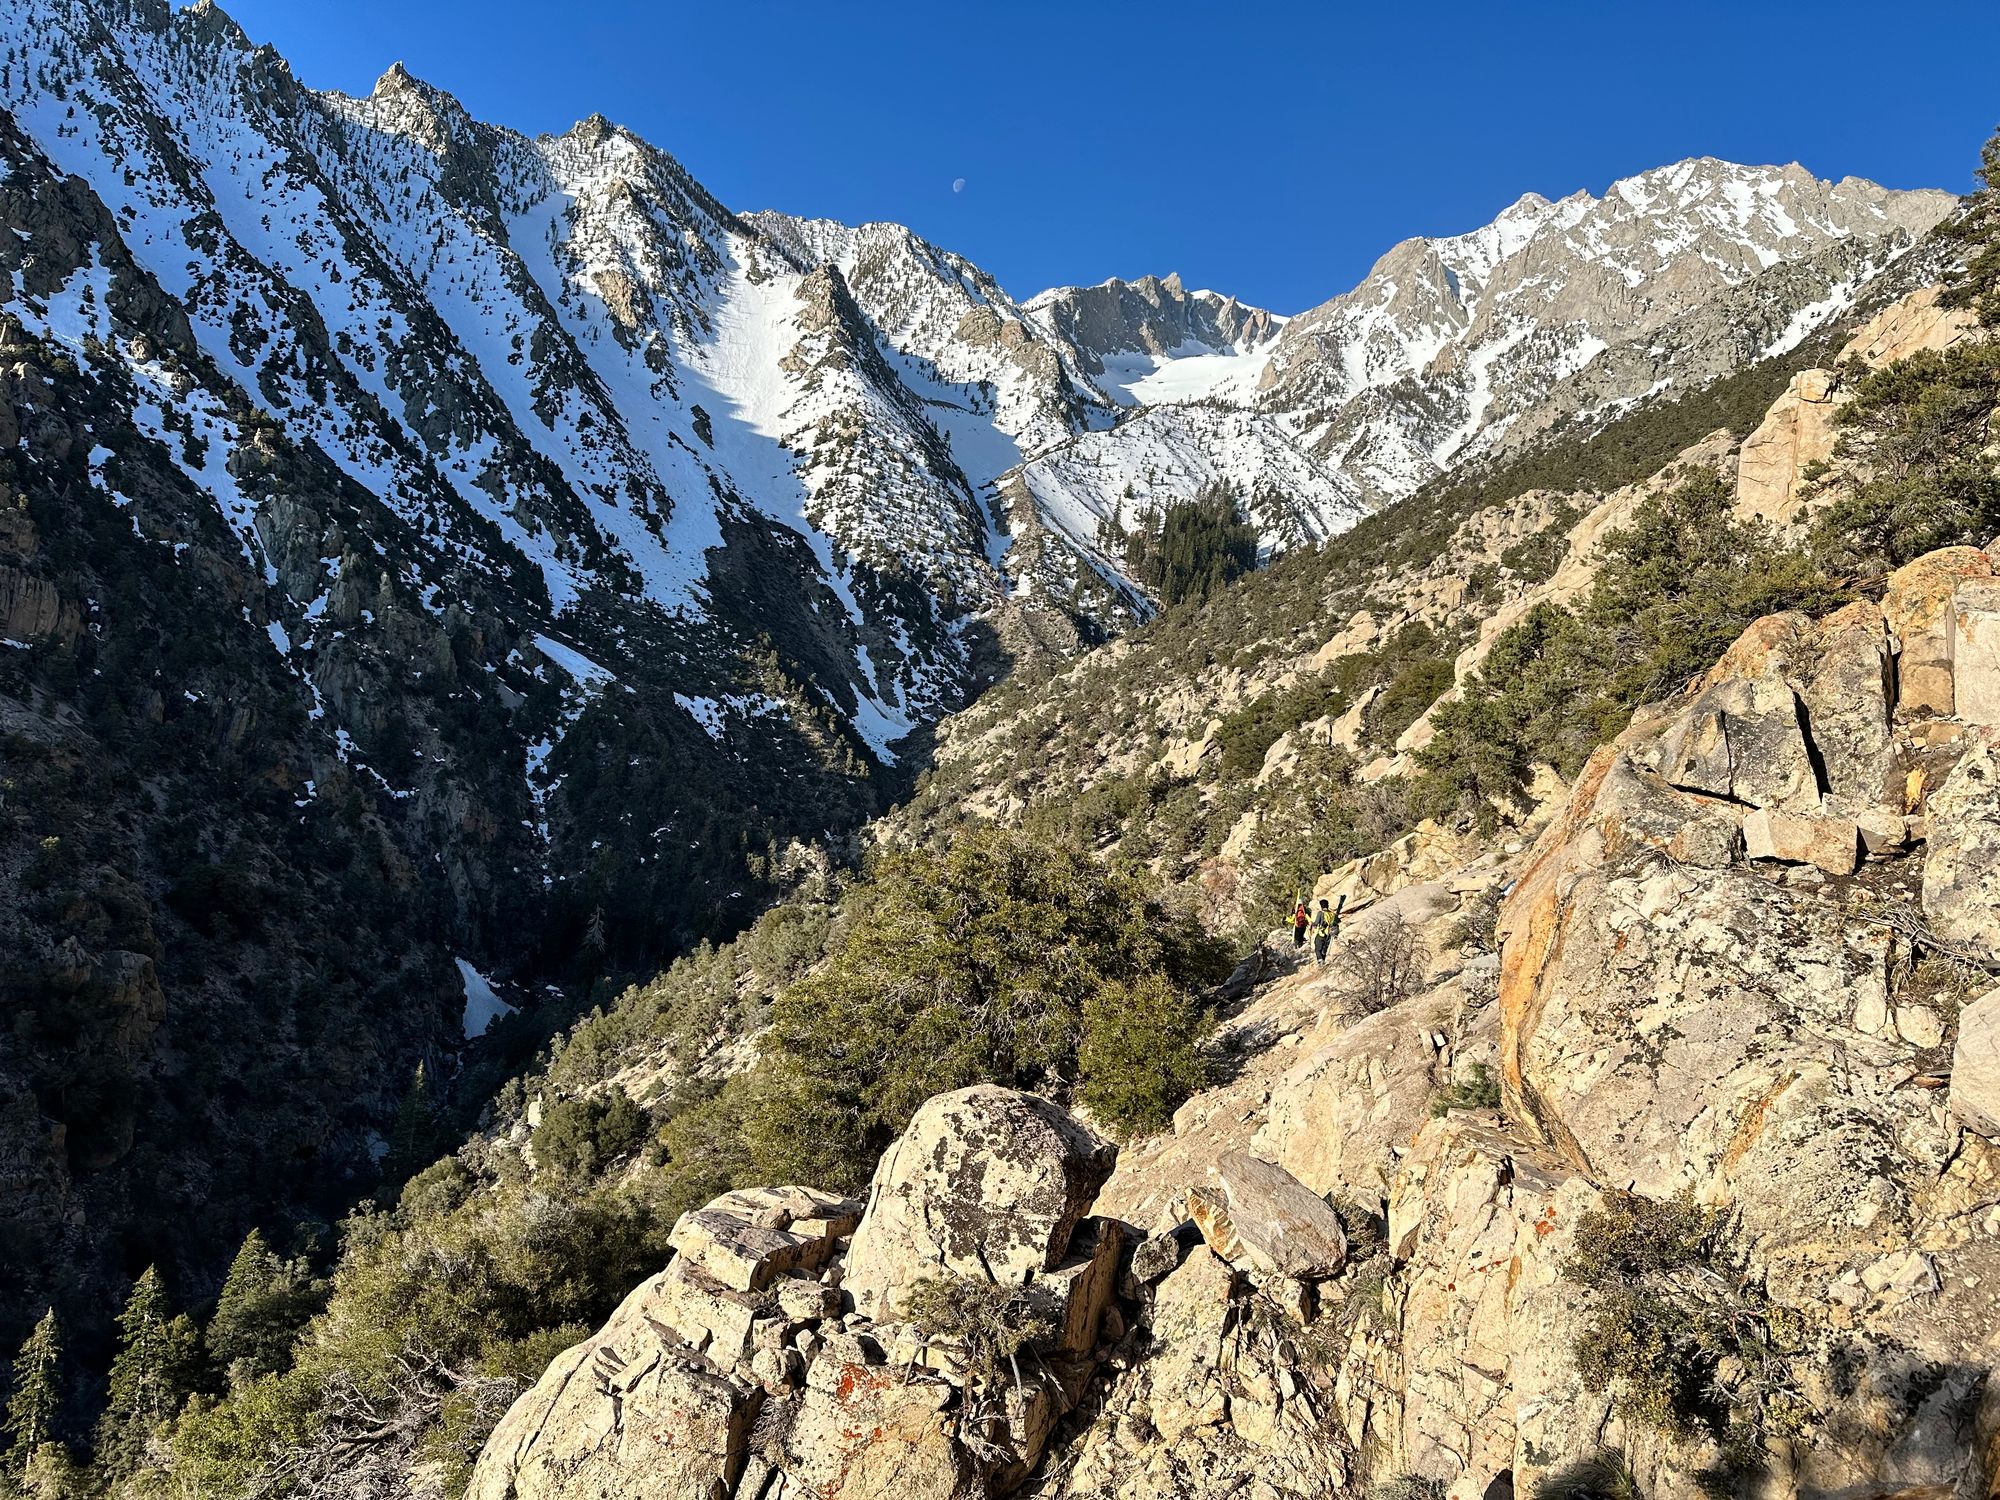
point(1273, 150)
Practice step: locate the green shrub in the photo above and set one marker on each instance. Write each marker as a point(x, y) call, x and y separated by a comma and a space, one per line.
point(1673, 590)
point(987, 1325)
point(1676, 1336)
point(1480, 1091)
point(969, 966)
point(582, 1137)
point(1140, 1058)
point(1918, 430)
point(1407, 1487)
point(1605, 1475)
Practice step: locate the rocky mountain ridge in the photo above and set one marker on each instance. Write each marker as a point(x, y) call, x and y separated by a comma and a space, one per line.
point(1680, 1176)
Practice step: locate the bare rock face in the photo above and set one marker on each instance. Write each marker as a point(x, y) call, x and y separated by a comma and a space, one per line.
point(1749, 1034)
point(1915, 323)
point(1796, 432)
point(1962, 860)
point(1975, 650)
point(1339, 1114)
point(1975, 1066)
point(986, 1182)
point(1481, 1223)
point(1197, 1411)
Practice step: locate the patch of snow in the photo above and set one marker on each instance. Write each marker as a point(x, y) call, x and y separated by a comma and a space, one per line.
point(482, 1006)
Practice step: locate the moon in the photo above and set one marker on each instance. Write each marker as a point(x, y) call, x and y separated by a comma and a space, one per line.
point(958, 184)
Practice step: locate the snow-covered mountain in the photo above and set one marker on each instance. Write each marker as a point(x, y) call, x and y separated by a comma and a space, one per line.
point(1150, 341)
point(1452, 346)
point(561, 366)
point(568, 365)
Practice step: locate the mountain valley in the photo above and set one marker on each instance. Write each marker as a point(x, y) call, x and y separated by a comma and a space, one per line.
point(552, 729)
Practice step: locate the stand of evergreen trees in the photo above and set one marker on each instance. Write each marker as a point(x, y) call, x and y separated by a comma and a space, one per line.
point(164, 1362)
point(1192, 548)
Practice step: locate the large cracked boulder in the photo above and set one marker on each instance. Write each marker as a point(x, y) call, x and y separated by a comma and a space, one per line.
point(1962, 855)
point(987, 1183)
point(1743, 739)
point(1850, 701)
point(632, 1410)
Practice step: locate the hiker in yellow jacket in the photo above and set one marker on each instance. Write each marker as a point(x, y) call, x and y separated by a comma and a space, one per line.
point(1325, 928)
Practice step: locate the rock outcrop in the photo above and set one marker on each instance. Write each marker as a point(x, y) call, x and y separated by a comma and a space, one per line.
point(1749, 1029)
point(1730, 975)
point(776, 1355)
point(985, 1183)
point(1796, 433)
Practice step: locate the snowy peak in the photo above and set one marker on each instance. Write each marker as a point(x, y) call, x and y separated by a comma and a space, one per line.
point(1152, 315)
point(1149, 341)
point(990, 383)
point(1470, 341)
point(561, 361)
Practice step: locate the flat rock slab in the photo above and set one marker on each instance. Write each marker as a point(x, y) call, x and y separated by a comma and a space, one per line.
point(1266, 1220)
point(1833, 844)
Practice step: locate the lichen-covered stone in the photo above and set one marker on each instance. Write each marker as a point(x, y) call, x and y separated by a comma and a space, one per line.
point(985, 1182)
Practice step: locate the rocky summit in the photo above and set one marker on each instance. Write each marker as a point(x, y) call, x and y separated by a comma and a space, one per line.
point(648, 850)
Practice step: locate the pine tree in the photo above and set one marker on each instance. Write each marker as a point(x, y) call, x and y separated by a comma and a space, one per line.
point(149, 1375)
point(264, 1301)
point(31, 1410)
point(1978, 286)
point(413, 1137)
